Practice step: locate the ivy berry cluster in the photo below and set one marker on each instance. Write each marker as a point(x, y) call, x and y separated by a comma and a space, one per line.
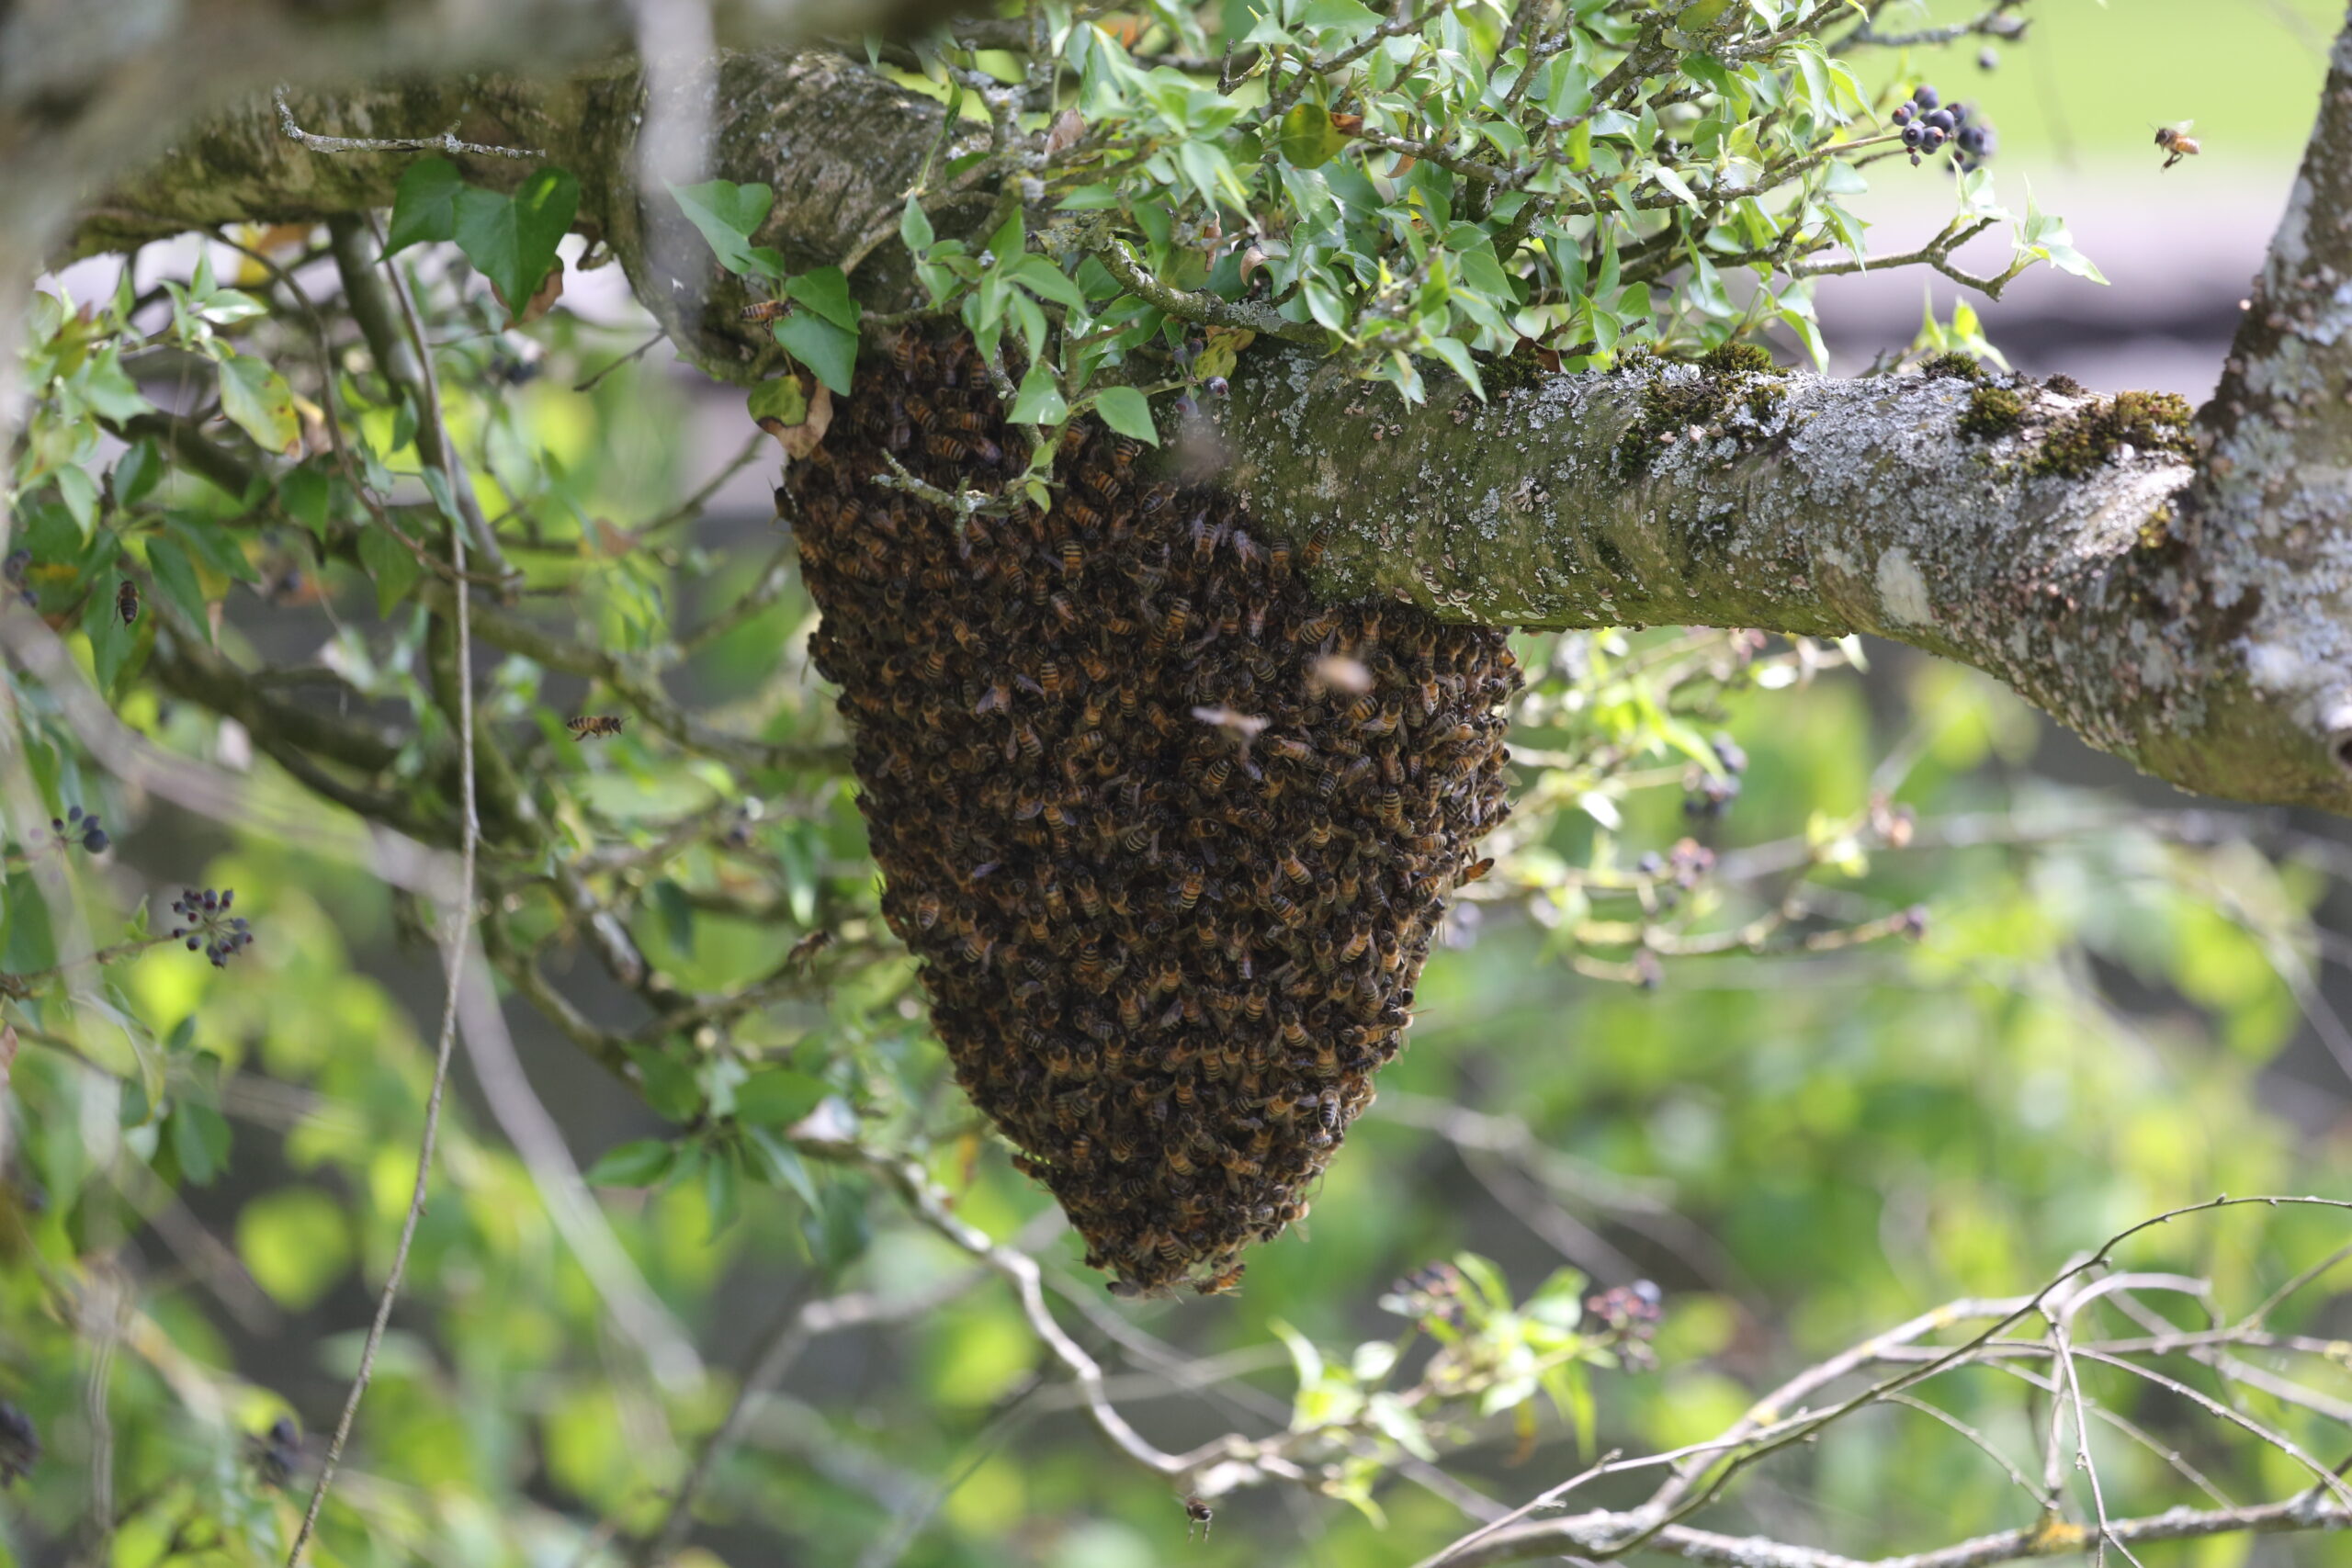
point(78, 823)
point(1929, 125)
point(210, 926)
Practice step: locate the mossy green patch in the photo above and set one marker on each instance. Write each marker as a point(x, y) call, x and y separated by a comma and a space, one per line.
point(1728, 382)
point(1738, 359)
point(1951, 366)
point(2147, 422)
point(1992, 413)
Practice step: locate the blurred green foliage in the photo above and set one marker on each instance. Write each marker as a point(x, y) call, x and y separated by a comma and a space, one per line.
point(1795, 991)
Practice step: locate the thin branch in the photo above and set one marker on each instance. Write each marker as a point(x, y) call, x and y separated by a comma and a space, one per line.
point(460, 917)
point(447, 142)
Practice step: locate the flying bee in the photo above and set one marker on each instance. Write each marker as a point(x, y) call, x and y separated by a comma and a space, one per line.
point(762, 311)
point(1338, 673)
point(125, 600)
point(591, 724)
point(1241, 727)
point(2177, 141)
point(807, 948)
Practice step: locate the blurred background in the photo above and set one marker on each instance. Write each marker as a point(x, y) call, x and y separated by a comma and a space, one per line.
point(2121, 1000)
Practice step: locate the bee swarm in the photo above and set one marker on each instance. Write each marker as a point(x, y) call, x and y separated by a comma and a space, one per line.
point(1166, 948)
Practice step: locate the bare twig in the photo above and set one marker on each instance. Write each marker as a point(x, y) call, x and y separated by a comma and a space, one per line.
point(447, 142)
point(460, 917)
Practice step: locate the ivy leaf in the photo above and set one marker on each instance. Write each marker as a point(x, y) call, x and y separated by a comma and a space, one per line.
point(389, 564)
point(825, 291)
point(138, 472)
point(1126, 411)
point(257, 398)
point(175, 575)
point(304, 495)
point(728, 214)
point(111, 642)
point(1309, 139)
point(777, 1096)
point(639, 1164)
point(425, 204)
point(914, 228)
point(1040, 401)
point(512, 240)
point(825, 348)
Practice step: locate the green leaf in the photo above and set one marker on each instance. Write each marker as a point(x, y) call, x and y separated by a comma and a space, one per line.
point(677, 915)
point(1040, 401)
point(425, 204)
point(1309, 139)
point(214, 546)
point(669, 1087)
point(512, 240)
point(138, 472)
point(728, 214)
point(391, 564)
point(257, 398)
point(777, 1163)
point(304, 495)
point(720, 1190)
point(111, 642)
point(782, 399)
point(1126, 411)
point(914, 228)
point(825, 291)
point(79, 492)
point(294, 1243)
point(825, 348)
point(777, 1096)
point(639, 1164)
point(175, 575)
point(200, 1138)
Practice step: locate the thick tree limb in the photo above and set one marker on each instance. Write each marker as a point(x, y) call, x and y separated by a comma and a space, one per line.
point(2190, 618)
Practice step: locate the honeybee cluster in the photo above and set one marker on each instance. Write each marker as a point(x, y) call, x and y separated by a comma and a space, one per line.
point(1166, 949)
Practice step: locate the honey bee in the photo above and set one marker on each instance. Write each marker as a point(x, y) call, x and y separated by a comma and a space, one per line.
point(125, 600)
point(1478, 869)
point(1073, 559)
point(591, 724)
point(807, 948)
point(2177, 141)
point(761, 312)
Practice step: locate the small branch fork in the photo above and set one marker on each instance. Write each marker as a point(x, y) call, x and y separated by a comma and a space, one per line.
point(447, 142)
point(1699, 1475)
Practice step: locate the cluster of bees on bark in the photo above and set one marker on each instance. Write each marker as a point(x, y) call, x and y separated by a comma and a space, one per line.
point(1171, 835)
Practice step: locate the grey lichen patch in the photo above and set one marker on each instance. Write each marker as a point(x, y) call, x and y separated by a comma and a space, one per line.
point(1735, 394)
point(2084, 440)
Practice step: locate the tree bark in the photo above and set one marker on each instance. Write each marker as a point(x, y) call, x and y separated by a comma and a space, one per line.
point(2179, 599)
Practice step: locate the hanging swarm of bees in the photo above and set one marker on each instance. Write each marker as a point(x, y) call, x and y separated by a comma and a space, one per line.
point(1171, 835)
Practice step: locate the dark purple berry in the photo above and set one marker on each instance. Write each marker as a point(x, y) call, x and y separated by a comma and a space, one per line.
point(193, 943)
point(1903, 113)
point(95, 840)
point(1927, 97)
point(1912, 135)
point(1730, 754)
point(74, 814)
point(1187, 407)
point(20, 1443)
point(1941, 119)
point(1220, 386)
point(57, 824)
point(1934, 139)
